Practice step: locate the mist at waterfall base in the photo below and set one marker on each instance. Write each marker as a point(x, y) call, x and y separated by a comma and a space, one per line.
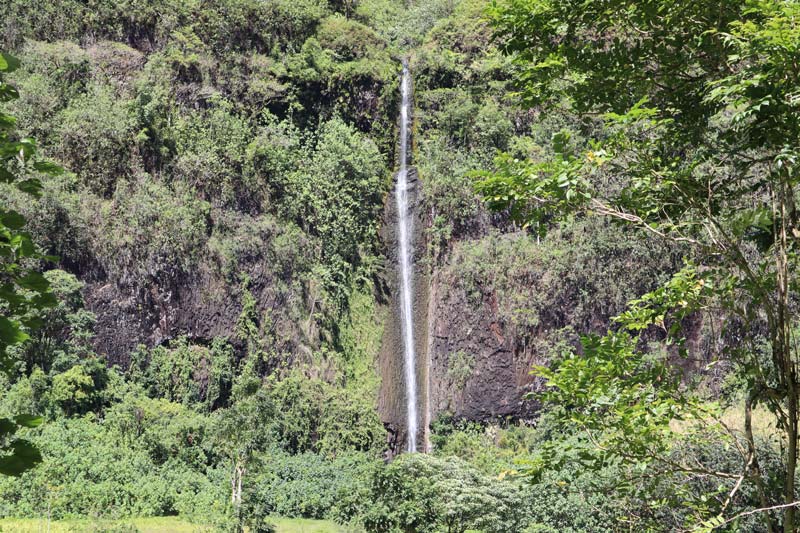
point(405, 231)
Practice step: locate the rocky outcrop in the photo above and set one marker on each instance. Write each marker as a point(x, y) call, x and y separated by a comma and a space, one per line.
point(478, 370)
point(198, 306)
point(201, 305)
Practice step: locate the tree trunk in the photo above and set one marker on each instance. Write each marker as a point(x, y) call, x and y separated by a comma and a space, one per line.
point(236, 483)
point(784, 331)
point(755, 468)
point(791, 461)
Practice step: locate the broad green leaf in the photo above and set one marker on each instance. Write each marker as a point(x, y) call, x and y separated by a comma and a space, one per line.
point(8, 292)
point(8, 63)
point(8, 92)
point(24, 457)
point(7, 427)
point(34, 281)
point(28, 421)
point(10, 332)
point(12, 220)
point(7, 121)
point(48, 168)
point(31, 186)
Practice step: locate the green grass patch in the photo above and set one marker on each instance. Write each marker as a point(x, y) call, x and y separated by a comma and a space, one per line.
point(300, 525)
point(154, 525)
point(167, 524)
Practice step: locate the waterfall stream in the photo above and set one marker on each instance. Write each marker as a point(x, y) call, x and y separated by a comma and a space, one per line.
point(405, 233)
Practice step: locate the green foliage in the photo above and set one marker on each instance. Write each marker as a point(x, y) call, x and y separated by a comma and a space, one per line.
point(308, 485)
point(150, 231)
point(25, 292)
point(245, 146)
point(699, 147)
point(66, 331)
point(495, 450)
point(558, 282)
point(347, 39)
point(184, 373)
point(211, 150)
point(422, 493)
point(80, 389)
point(201, 131)
point(336, 197)
point(87, 386)
point(51, 75)
point(313, 415)
point(275, 150)
point(460, 365)
point(87, 472)
point(166, 431)
point(94, 138)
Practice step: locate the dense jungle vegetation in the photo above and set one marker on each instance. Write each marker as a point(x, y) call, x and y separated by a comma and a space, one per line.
point(194, 282)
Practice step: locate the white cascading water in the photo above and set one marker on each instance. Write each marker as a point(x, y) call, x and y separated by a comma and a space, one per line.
point(405, 232)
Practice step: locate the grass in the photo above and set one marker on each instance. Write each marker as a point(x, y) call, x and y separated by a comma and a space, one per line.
point(144, 525)
point(155, 525)
point(299, 525)
point(764, 422)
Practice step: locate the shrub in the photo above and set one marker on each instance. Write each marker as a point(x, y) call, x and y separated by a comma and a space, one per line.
point(168, 432)
point(185, 373)
point(313, 415)
point(66, 330)
point(150, 232)
point(337, 197)
point(422, 493)
point(459, 367)
point(307, 485)
point(94, 139)
point(210, 149)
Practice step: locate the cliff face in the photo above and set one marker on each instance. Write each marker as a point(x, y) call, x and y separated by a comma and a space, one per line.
point(502, 301)
point(201, 305)
point(478, 369)
point(192, 193)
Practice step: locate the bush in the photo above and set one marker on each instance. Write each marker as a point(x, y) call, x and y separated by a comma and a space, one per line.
point(308, 485)
point(166, 431)
point(66, 330)
point(85, 473)
point(313, 415)
point(422, 493)
point(150, 232)
point(147, 458)
point(210, 148)
point(51, 76)
point(563, 280)
point(273, 153)
point(184, 373)
point(94, 139)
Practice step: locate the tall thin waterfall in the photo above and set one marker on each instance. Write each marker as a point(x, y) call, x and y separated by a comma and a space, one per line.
point(405, 233)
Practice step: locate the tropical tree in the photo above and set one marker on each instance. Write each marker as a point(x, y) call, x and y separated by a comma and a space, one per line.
point(427, 494)
point(23, 289)
point(698, 144)
point(242, 431)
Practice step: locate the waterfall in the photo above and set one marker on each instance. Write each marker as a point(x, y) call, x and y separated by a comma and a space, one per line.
point(405, 259)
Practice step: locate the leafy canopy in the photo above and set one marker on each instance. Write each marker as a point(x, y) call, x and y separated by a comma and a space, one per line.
point(23, 289)
point(695, 139)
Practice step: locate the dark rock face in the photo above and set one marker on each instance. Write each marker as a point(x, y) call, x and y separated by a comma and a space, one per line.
point(478, 371)
point(153, 315)
point(201, 305)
